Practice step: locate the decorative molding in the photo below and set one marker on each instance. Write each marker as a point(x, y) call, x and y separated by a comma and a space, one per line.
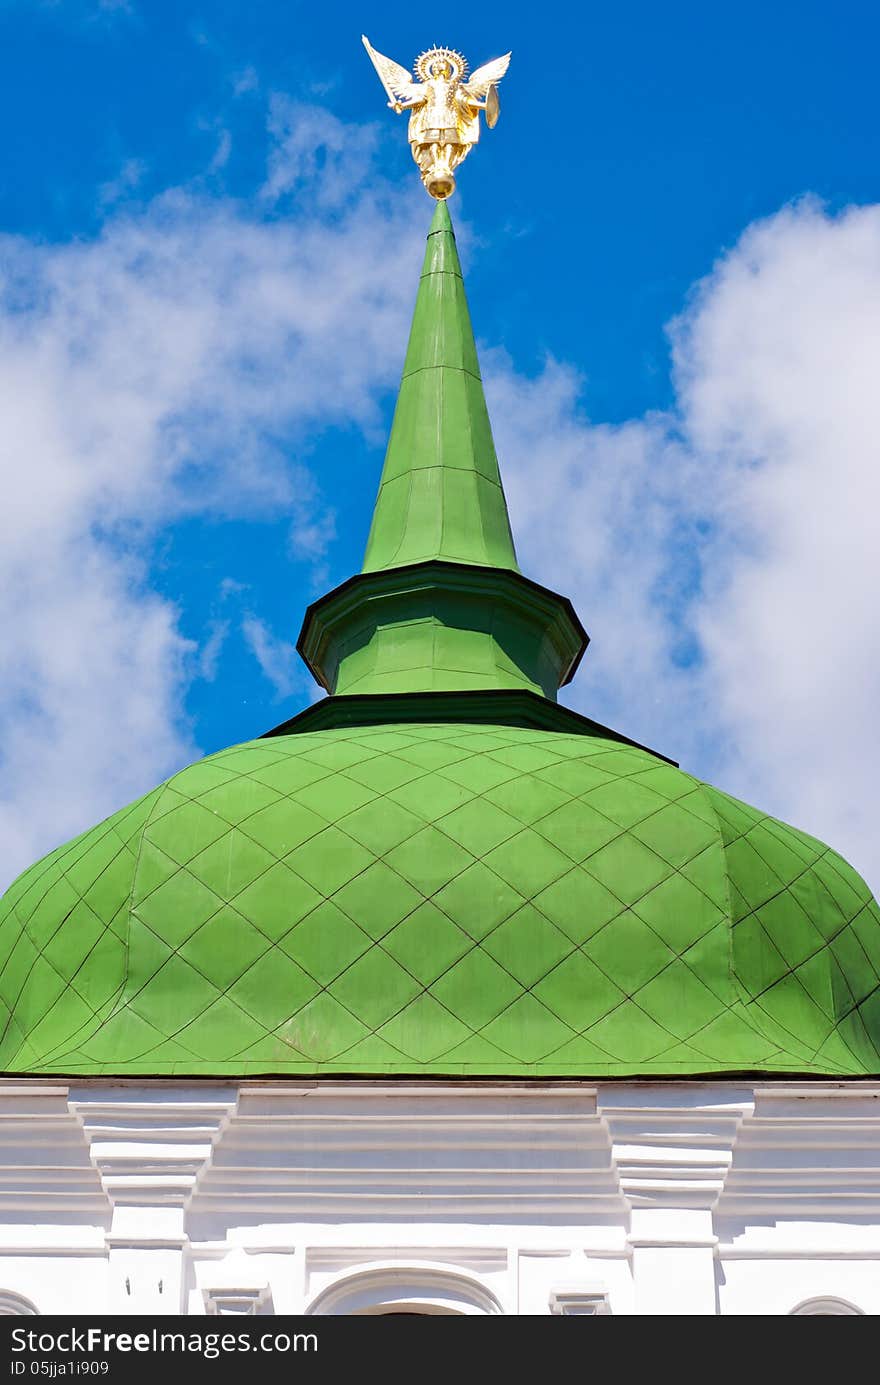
point(432, 1152)
point(673, 1144)
point(804, 1252)
point(672, 1242)
point(345, 1259)
point(238, 1300)
point(570, 1303)
point(47, 1173)
point(806, 1151)
point(148, 1143)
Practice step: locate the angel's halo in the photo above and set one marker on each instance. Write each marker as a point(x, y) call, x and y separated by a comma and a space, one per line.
point(422, 65)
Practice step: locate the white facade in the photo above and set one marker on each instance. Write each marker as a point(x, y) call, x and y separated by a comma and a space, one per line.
point(692, 1197)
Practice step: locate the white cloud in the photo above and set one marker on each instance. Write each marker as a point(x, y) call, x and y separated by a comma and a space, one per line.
point(725, 557)
point(245, 81)
point(777, 364)
point(167, 368)
point(597, 514)
point(209, 654)
point(278, 659)
point(130, 175)
point(91, 667)
point(314, 148)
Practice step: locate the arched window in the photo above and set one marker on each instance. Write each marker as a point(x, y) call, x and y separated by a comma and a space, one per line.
point(425, 1289)
point(14, 1306)
point(826, 1308)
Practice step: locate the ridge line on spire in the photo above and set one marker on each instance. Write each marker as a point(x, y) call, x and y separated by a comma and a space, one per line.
point(461, 369)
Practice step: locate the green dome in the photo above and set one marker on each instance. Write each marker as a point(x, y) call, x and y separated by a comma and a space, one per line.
point(457, 899)
point(437, 870)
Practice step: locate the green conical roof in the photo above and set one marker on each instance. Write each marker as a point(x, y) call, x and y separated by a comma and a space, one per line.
point(440, 605)
point(441, 493)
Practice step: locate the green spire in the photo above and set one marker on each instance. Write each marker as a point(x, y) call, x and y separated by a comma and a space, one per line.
point(441, 494)
point(440, 605)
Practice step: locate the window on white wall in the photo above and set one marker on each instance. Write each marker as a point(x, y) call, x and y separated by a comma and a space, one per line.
point(826, 1308)
point(386, 1289)
point(14, 1306)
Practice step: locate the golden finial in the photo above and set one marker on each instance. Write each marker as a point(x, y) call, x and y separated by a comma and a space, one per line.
point(444, 122)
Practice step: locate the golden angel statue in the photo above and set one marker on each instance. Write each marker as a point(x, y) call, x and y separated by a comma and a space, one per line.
point(444, 123)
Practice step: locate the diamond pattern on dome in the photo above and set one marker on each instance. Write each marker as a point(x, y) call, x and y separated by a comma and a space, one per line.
point(61, 967)
point(442, 899)
point(406, 943)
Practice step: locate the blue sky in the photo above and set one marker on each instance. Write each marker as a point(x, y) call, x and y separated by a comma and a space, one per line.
point(671, 248)
point(638, 139)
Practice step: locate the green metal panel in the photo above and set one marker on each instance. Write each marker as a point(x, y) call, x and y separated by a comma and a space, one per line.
point(455, 899)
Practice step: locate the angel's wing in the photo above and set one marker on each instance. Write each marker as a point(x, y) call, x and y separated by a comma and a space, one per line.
point(395, 79)
point(486, 76)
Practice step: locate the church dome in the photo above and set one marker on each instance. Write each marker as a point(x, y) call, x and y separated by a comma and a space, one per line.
point(443, 898)
point(437, 870)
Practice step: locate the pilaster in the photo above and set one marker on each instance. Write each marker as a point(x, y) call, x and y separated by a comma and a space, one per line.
point(148, 1142)
point(672, 1148)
